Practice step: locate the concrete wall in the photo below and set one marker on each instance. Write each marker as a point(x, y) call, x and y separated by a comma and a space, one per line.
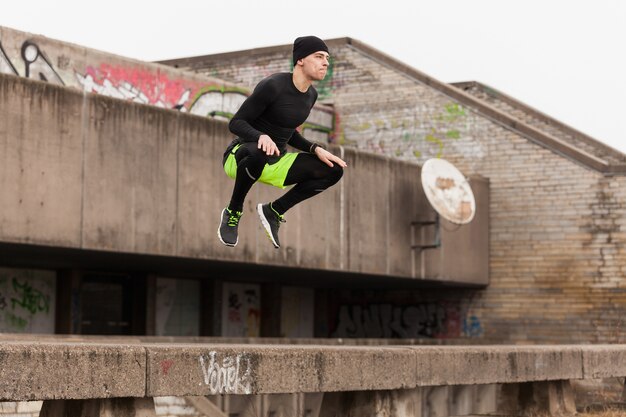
point(557, 229)
point(40, 58)
point(91, 172)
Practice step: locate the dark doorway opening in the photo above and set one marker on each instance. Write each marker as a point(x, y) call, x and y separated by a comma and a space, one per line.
point(106, 304)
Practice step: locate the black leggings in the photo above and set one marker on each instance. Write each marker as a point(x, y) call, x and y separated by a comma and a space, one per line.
point(310, 176)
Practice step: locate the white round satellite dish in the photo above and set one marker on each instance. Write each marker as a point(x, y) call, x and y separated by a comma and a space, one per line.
point(448, 191)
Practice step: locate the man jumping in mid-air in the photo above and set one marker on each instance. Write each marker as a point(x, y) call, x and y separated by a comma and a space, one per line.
point(264, 124)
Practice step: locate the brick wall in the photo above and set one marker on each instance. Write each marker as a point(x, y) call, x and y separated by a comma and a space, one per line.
point(557, 257)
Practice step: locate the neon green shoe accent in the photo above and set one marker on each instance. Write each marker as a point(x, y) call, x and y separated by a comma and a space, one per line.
point(233, 217)
point(274, 174)
point(280, 216)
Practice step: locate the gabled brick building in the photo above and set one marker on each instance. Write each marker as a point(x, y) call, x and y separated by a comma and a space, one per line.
point(557, 196)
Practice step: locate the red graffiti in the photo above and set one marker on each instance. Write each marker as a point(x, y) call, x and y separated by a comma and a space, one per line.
point(153, 87)
point(166, 365)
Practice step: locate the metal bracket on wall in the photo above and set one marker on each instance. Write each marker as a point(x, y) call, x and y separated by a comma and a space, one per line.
point(423, 224)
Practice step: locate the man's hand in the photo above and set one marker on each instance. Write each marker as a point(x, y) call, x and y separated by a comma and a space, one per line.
point(268, 146)
point(328, 158)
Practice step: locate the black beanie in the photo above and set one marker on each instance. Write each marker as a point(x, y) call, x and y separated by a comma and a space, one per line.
point(306, 45)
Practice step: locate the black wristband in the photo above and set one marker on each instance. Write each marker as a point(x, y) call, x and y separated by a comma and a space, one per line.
point(313, 148)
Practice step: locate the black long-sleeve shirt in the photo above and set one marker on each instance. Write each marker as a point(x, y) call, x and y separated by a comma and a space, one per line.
point(275, 108)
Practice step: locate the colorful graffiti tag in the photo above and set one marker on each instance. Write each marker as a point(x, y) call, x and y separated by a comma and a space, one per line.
point(150, 86)
point(136, 84)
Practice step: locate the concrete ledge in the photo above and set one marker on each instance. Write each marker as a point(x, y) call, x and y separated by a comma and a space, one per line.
point(604, 361)
point(42, 371)
point(72, 370)
point(458, 365)
point(250, 369)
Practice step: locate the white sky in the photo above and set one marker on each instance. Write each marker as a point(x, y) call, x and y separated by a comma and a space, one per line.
point(566, 58)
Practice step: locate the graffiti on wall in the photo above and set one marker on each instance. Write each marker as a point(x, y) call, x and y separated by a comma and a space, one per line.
point(427, 320)
point(27, 301)
point(6, 66)
point(416, 132)
point(148, 86)
point(319, 125)
point(227, 99)
point(231, 375)
point(28, 297)
point(405, 136)
point(36, 64)
point(472, 327)
point(241, 311)
point(135, 84)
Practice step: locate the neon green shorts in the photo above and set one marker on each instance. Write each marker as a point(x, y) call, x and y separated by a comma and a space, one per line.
point(274, 174)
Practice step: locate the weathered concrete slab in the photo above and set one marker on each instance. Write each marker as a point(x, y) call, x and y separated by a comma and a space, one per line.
point(187, 370)
point(130, 174)
point(396, 403)
point(603, 361)
point(435, 401)
point(41, 371)
point(457, 365)
point(80, 370)
point(210, 370)
point(40, 165)
point(205, 406)
point(365, 254)
point(345, 368)
point(405, 192)
point(203, 193)
point(468, 239)
point(554, 398)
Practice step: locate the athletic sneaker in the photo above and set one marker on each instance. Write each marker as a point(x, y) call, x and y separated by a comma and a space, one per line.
point(227, 231)
point(271, 221)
